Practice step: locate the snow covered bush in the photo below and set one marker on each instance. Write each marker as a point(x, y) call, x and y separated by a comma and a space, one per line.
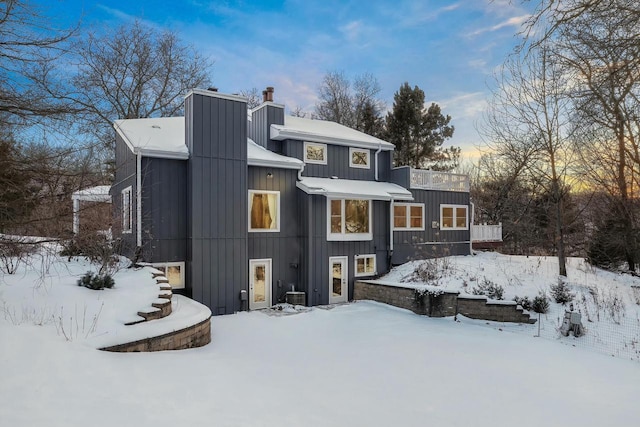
point(430, 271)
point(540, 303)
point(524, 302)
point(96, 281)
point(98, 248)
point(488, 288)
point(561, 293)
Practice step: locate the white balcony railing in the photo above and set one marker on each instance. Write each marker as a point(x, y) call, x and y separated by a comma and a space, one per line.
point(435, 180)
point(486, 233)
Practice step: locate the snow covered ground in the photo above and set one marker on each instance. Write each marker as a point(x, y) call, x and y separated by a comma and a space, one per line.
point(359, 364)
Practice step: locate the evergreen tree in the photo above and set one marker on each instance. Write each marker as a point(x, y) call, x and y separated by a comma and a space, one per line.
point(418, 134)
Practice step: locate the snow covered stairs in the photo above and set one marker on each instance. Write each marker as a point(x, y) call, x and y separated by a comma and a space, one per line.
point(160, 307)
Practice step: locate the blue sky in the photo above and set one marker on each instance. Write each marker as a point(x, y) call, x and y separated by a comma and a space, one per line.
point(448, 48)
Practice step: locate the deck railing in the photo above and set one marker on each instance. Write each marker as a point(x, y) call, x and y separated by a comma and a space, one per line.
point(436, 180)
point(486, 233)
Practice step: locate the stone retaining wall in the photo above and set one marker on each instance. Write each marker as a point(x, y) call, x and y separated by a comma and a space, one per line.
point(445, 304)
point(197, 335)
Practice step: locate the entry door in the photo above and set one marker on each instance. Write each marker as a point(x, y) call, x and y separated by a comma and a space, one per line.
point(259, 283)
point(338, 285)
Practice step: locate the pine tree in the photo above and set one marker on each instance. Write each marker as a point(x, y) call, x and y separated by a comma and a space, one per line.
point(418, 134)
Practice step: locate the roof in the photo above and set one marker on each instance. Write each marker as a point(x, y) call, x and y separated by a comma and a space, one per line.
point(325, 132)
point(165, 137)
point(347, 188)
point(98, 193)
point(260, 156)
point(154, 137)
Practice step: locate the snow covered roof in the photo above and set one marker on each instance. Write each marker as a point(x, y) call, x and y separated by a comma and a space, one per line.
point(325, 132)
point(98, 193)
point(260, 156)
point(344, 188)
point(154, 137)
point(164, 137)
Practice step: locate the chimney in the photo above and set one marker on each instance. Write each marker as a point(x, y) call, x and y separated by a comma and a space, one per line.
point(212, 89)
point(270, 93)
point(264, 96)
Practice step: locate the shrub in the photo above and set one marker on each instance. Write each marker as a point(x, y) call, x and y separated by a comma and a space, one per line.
point(13, 252)
point(96, 281)
point(96, 247)
point(560, 292)
point(523, 302)
point(540, 303)
point(488, 288)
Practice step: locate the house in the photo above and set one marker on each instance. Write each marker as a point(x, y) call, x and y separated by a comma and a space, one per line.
point(241, 207)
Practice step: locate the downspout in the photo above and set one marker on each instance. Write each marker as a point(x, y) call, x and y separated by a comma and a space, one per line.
point(139, 199)
point(376, 159)
point(473, 220)
point(300, 172)
point(391, 206)
point(309, 249)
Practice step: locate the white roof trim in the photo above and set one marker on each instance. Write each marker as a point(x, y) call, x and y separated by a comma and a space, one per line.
point(347, 188)
point(99, 193)
point(279, 133)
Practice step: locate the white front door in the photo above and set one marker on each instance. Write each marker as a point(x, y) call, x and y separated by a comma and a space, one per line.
point(338, 285)
point(259, 283)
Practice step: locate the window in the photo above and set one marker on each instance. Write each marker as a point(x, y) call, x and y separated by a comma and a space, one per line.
point(349, 219)
point(365, 265)
point(359, 158)
point(408, 216)
point(264, 211)
point(127, 210)
point(315, 153)
point(454, 217)
point(174, 271)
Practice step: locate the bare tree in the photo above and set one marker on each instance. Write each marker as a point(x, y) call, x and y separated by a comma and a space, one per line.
point(354, 105)
point(528, 122)
point(253, 97)
point(133, 71)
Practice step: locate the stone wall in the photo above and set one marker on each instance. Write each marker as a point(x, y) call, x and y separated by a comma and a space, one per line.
point(430, 305)
point(197, 335)
point(445, 304)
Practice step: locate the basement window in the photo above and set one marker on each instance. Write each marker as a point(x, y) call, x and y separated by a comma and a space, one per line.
point(174, 271)
point(365, 265)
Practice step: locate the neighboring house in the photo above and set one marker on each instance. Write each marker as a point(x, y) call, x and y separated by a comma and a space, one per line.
point(241, 207)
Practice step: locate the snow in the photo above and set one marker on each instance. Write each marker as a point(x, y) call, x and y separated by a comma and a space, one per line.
point(355, 364)
point(325, 132)
point(347, 188)
point(260, 156)
point(154, 136)
point(99, 193)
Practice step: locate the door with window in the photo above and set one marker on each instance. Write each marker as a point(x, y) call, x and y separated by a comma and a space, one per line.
point(338, 284)
point(259, 283)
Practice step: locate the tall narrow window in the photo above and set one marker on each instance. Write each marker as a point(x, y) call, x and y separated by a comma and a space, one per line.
point(454, 217)
point(408, 216)
point(127, 210)
point(349, 219)
point(264, 211)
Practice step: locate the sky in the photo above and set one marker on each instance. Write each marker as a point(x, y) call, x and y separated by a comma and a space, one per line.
point(450, 49)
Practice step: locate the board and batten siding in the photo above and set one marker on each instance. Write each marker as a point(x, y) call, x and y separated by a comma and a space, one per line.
point(216, 134)
point(338, 162)
point(125, 176)
point(318, 249)
point(283, 247)
point(432, 242)
point(262, 117)
point(164, 210)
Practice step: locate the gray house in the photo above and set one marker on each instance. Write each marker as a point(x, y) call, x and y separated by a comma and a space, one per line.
point(241, 207)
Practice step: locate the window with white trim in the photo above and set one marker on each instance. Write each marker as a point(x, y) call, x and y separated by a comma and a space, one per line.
point(454, 217)
point(173, 271)
point(349, 219)
point(408, 216)
point(127, 210)
point(359, 158)
point(365, 265)
point(315, 153)
point(264, 211)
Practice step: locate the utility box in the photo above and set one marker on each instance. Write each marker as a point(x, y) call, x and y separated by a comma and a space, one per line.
point(295, 298)
point(572, 322)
